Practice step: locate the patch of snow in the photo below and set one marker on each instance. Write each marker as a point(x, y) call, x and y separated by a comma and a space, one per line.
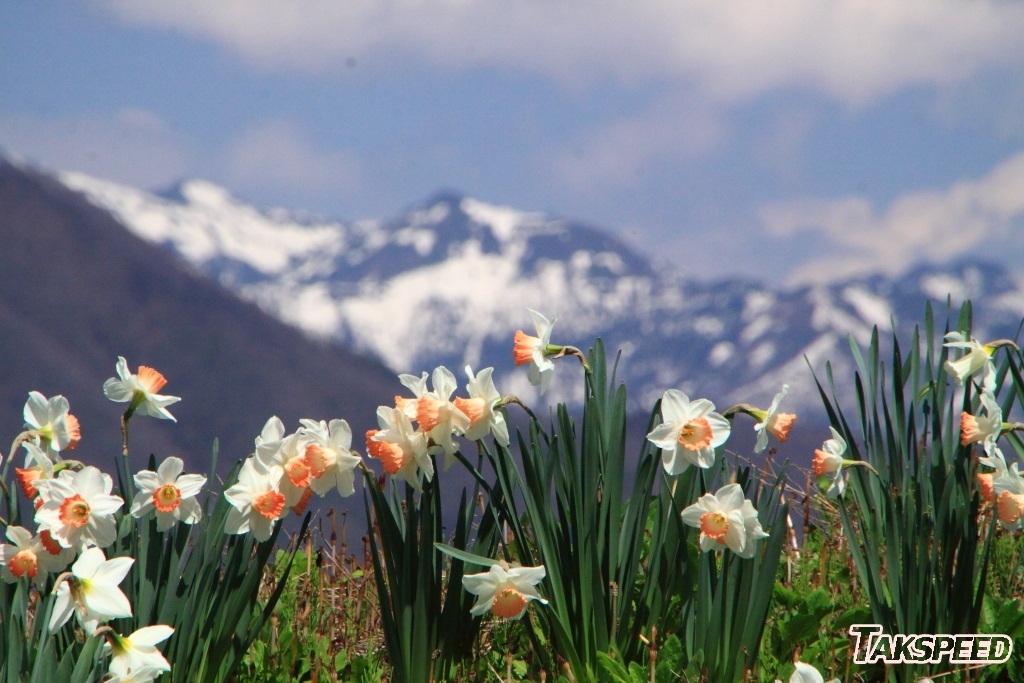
point(206, 194)
point(610, 261)
point(721, 353)
point(211, 225)
point(761, 354)
point(757, 303)
point(420, 239)
point(940, 285)
point(758, 328)
point(709, 326)
point(827, 316)
point(503, 220)
point(873, 309)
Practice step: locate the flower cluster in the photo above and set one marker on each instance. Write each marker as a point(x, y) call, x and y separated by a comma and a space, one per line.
point(998, 483)
point(689, 435)
point(405, 449)
point(74, 516)
point(286, 470)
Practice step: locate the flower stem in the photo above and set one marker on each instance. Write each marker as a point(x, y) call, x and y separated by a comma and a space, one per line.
point(124, 431)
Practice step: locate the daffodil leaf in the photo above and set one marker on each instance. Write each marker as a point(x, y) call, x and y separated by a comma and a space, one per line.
point(465, 556)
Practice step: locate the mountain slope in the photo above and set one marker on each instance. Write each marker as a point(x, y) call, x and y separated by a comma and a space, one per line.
point(77, 290)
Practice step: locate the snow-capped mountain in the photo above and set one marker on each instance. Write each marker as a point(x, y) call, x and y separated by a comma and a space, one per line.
point(448, 282)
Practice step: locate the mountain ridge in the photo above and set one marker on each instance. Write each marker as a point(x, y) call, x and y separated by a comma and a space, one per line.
point(447, 282)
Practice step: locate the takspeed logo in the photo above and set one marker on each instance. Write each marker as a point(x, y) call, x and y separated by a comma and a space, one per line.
point(874, 647)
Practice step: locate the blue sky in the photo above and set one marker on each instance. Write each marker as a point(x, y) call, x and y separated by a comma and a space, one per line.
point(787, 141)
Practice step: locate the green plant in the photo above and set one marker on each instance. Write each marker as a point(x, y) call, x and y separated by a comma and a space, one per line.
point(920, 551)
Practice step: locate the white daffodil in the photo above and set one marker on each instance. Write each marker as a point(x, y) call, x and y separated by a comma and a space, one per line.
point(503, 590)
point(535, 350)
point(690, 433)
point(78, 509)
point(256, 500)
point(977, 360)
point(1009, 494)
point(773, 422)
point(439, 417)
point(805, 673)
point(49, 420)
point(418, 387)
point(986, 480)
point(146, 674)
point(329, 457)
point(479, 407)
point(289, 454)
point(726, 519)
point(169, 492)
point(35, 557)
point(91, 591)
point(139, 391)
point(401, 449)
point(983, 428)
point(138, 651)
point(269, 440)
point(827, 465)
point(38, 467)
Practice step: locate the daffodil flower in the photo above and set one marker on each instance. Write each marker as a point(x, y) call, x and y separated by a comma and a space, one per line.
point(78, 509)
point(91, 591)
point(504, 590)
point(145, 674)
point(805, 673)
point(439, 418)
point(1009, 494)
point(983, 428)
point(38, 467)
point(480, 407)
point(139, 391)
point(977, 360)
point(534, 351)
point(169, 492)
point(138, 651)
point(50, 422)
point(773, 422)
point(288, 453)
point(329, 456)
point(986, 480)
point(400, 448)
point(418, 387)
point(30, 556)
point(690, 433)
point(256, 501)
point(726, 520)
point(827, 465)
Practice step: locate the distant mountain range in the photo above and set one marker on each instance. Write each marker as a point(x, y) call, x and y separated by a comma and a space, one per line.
point(448, 282)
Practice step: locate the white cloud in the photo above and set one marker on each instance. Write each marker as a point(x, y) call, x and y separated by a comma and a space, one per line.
point(133, 146)
point(853, 50)
point(278, 155)
point(983, 217)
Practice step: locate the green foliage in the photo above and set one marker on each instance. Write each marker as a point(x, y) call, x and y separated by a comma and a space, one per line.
point(920, 551)
point(570, 510)
point(198, 579)
point(425, 615)
point(724, 618)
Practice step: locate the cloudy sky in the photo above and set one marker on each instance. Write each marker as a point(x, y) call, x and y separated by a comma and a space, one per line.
point(786, 140)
